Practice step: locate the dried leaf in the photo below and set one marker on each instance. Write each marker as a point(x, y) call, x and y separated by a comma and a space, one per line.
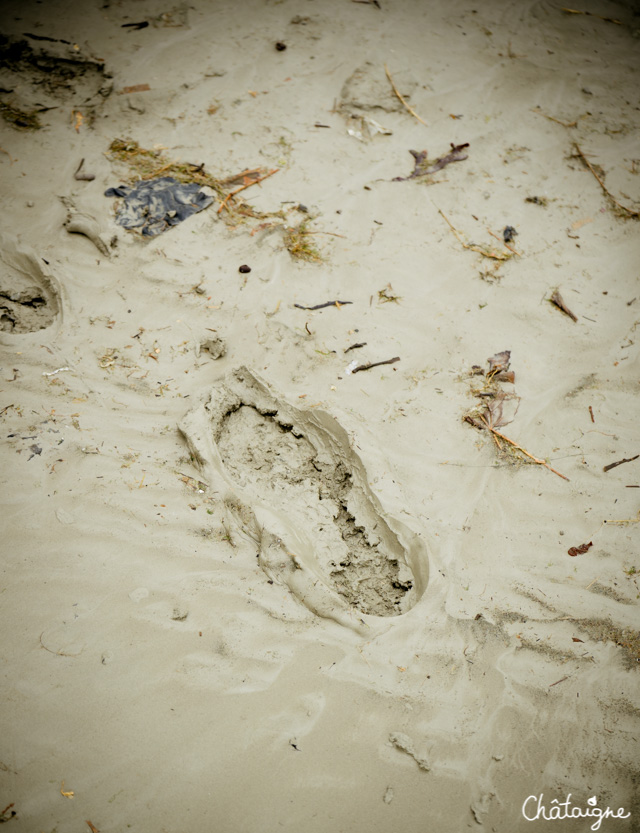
point(557, 300)
point(499, 362)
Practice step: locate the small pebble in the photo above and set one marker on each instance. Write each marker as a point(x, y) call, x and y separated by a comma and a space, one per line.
point(281, 46)
point(244, 269)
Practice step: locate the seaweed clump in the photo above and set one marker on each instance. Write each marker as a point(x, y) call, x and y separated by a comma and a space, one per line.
point(298, 245)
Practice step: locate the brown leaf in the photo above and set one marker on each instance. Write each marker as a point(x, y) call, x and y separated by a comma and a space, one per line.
point(581, 549)
point(575, 639)
point(499, 362)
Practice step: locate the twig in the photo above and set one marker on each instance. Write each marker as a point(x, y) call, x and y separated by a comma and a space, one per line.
point(624, 208)
point(506, 245)
point(524, 451)
point(332, 233)
point(327, 304)
point(232, 194)
point(623, 521)
point(369, 365)
point(620, 462)
point(241, 177)
point(591, 14)
point(552, 118)
point(593, 419)
point(354, 346)
point(471, 246)
point(399, 94)
point(558, 681)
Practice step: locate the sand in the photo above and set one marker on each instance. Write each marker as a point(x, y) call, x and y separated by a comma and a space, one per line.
point(245, 588)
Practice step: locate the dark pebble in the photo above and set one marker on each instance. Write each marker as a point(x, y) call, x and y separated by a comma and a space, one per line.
point(244, 269)
point(281, 46)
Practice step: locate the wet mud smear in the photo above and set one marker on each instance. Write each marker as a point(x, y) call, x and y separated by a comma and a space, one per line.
point(281, 465)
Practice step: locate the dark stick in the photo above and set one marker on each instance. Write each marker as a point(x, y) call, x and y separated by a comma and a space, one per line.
point(353, 346)
point(369, 365)
point(322, 306)
point(620, 462)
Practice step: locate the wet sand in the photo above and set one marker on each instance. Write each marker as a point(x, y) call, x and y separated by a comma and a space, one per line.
point(245, 588)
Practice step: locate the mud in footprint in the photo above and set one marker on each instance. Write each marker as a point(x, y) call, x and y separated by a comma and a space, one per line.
point(28, 296)
point(320, 529)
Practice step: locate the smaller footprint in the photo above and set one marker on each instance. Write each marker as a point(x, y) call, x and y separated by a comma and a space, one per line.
point(29, 299)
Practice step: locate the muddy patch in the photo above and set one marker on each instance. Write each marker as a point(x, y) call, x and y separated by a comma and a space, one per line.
point(37, 73)
point(28, 297)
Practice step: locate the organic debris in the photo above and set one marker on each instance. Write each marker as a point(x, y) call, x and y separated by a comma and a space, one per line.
point(490, 414)
point(508, 234)
point(20, 119)
point(621, 209)
point(337, 304)
point(385, 297)
point(499, 367)
point(135, 88)
point(573, 551)
point(537, 200)
point(423, 167)
point(8, 813)
point(483, 250)
point(401, 98)
point(368, 365)
point(620, 462)
point(249, 178)
point(553, 118)
point(297, 244)
point(557, 300)
point(591, 14)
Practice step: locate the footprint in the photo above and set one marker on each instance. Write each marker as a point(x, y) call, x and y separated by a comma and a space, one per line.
point(28, 294)
point(301, 492)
